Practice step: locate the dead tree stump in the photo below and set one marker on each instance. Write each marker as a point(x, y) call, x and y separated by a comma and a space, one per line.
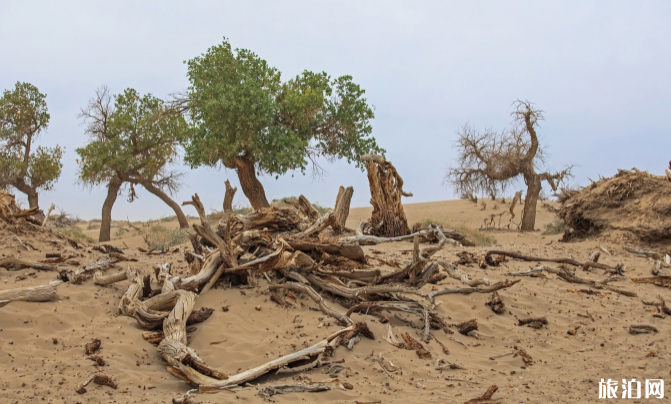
point(342, 208)
point(228, 197)
point(386, 189)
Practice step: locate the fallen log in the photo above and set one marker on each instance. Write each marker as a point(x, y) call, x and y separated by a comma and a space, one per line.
point(102, 280)
point(40, 293)
point(129, 299)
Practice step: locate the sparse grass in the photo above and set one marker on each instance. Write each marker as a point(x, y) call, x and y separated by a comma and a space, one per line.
point(480, 238)
point(120, 231)
point(159, 238)
point(76, 234)
point(93, 225)
point(557, 226)
point(216, 215)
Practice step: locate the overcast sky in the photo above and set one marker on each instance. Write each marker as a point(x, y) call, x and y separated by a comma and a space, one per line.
point(601, 71)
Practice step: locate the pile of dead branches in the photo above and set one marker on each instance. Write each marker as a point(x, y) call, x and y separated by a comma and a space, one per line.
point(298, 252)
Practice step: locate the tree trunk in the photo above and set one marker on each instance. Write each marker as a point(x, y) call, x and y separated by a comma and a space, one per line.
point(181, 218)
point(112, 192)
point(251, 186)
point(386, 189)
point(33, 197)
point(228, 198)
point(342, 208)
point(530, 201)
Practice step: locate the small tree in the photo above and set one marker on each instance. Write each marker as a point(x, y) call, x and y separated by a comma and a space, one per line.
point(23, 117)
point(246, 118)
point(133, 140)
point(489, 161)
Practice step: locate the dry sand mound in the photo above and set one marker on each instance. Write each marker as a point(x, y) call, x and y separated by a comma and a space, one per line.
point(629, 207)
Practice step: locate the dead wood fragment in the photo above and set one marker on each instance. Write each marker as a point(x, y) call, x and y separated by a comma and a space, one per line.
point(533, 322)
point(104, 380)
point(40, 293)
point(269, 391)
point(662, 281)
point(12, 264)
point(574, 330)
point(92, 347)
point(341, 211)
point(495, 357)
point(618, 270)
point(97, 359)
point(228, 197)
point(106, 249)
point(208, 384)
point(467, 326)
point(414, 345)
point(528, 360)
point(130, 298)
point(465, 291)
point(298, 287)
point(496, 303)
point(351, 251)
point(642, 329)
point(486, 397)
point(100, 279)
point(451, 270)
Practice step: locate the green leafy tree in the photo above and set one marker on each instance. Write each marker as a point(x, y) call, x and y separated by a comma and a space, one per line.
point(23, 117)
point(245, 117)
point(134, 139)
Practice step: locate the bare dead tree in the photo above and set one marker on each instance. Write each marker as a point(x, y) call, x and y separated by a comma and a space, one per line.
point(489, 161)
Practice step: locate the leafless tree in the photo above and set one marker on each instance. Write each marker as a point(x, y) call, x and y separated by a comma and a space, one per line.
point(489, 161)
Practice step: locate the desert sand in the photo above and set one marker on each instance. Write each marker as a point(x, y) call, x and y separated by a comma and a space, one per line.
point(42, 358)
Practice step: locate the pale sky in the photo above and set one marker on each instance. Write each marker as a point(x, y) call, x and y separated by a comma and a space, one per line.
point(599, 69)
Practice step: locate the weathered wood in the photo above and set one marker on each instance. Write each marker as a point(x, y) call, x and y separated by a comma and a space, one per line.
point(13, 264)
point(465, 291)
point(351, 251)
point(40, 293)
point(269, 391)
point(208, 384)
point(129, 299)
point(298, 287)
point(386, 189)
point(103, 280)
point(619, 269)
point(341, 211)
point(46, 218)
point(228, 197)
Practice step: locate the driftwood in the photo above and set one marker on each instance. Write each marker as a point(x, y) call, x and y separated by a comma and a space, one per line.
point(642, 329)
point(228, 197)
point(386, 189)
point(663, 281)
point(533, 322)
point(41, 293)
point(618, 270)
point(496, 303)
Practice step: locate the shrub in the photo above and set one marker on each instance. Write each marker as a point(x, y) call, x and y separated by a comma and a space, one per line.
point(159, 238)
point(555, 227)
point(76, 234)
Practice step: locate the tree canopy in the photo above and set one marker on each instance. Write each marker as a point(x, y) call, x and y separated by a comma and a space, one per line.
point(133, 140)
point(23, 117)
point(243, 114)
